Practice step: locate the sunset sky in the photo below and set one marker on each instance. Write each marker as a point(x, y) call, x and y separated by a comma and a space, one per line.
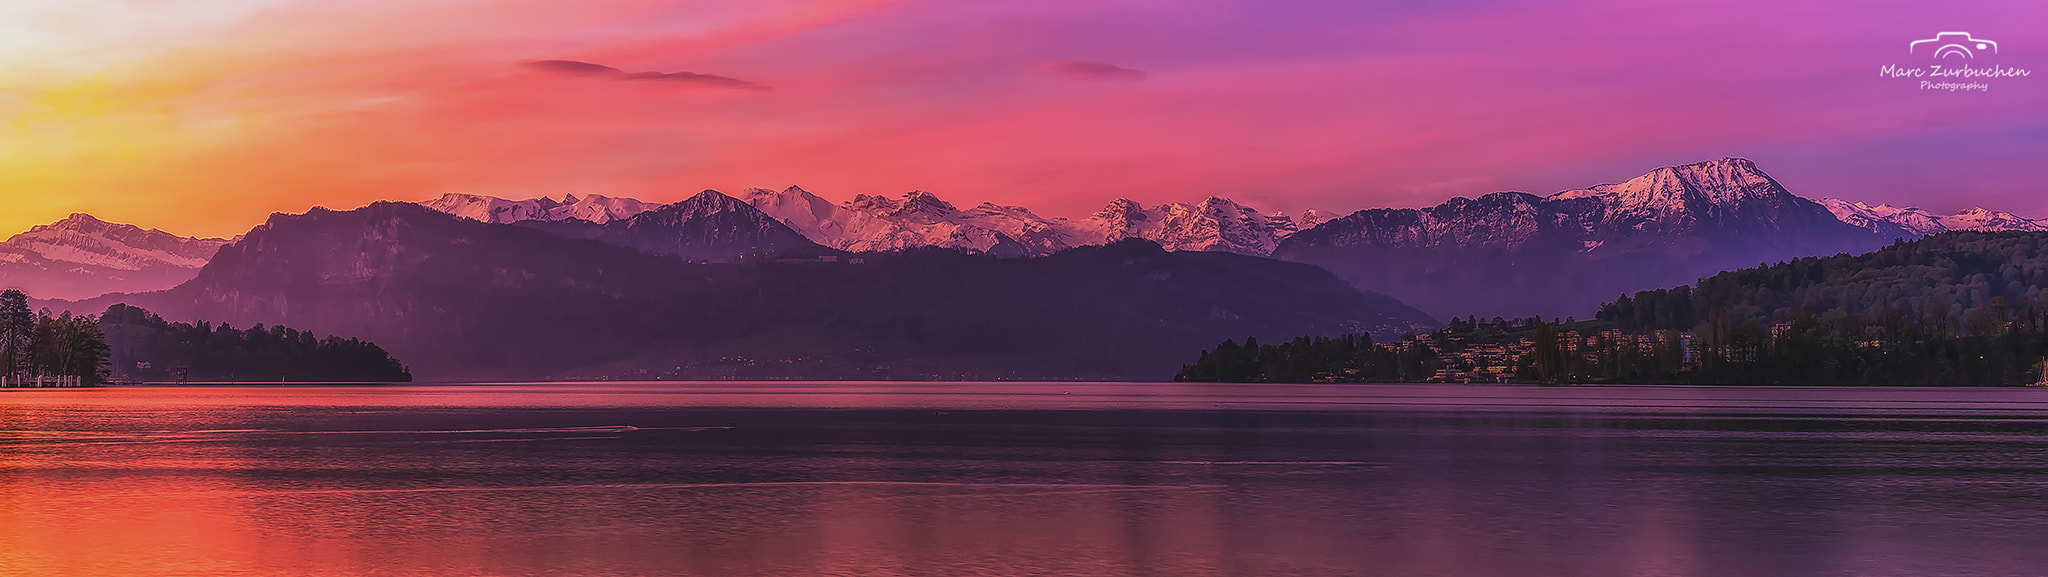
point(203, 116)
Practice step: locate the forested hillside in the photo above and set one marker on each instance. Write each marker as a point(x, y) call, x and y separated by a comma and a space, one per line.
point(146, 347)
point(1961, 308)
point(1960, 276)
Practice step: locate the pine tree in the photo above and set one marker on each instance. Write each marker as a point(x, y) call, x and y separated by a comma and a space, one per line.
point(17, 332)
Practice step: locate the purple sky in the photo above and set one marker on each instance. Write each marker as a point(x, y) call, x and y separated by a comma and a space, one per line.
point(213, 113)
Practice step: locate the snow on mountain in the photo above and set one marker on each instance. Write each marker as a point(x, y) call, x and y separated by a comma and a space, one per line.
point(918, 218)
point(1215, 224)
point(1885, 219)
point(458, 298)
point(709, 225)
point(1312, 218)
point(1897, 222)
point(878, 223)
point(922, 219)
point(1512, 253)
point(814, 217)
point(82, 257)
point(1983, 220)
point(1710, 195)
point(594, 208)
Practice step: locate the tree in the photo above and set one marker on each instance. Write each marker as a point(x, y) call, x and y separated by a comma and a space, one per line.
point(71, 346)
point(17, 331)
point(148, 348)
point(1549, 356)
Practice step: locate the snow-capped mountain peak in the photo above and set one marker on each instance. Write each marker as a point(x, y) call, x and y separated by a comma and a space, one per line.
point(1713, 185)
point(1982, 219)
point(1885, 219)
point(1120, 219)
point(920, 218)
point(598, 208)
point(815, 217)
point(917, 205)
point(595, 208)
point(1889, 220)
point(1312, 218)
point(707, 202)
point(1216, 223)
point(84, 240)
point(491, 208)
point(82, 257)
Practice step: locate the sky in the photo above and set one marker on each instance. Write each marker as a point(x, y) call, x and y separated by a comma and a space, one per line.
point(202, 117)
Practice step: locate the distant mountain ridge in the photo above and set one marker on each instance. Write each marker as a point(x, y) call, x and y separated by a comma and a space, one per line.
point(1552, 255)
point(1908, 223)
point(709, 225)
point(872, 223)
point(1514, 254)
point(919, 218)
point(460, 298)
point(83, 257)
point(594, 208)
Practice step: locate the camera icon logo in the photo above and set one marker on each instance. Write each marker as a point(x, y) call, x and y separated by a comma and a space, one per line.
point(1948, 44)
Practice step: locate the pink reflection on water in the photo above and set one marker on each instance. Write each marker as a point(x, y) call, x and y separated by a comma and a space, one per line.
point(588, 479)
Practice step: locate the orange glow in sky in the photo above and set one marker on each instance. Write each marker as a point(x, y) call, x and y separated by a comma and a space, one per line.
point(203, 116)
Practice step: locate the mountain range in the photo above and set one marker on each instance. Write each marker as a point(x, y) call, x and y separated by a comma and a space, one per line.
point(1515, 254)
point(594, 208)
point(919, 218)
point(1508, 254)
point(460, 298)
point(708, 226)
point(1909, 223)
point(873, 223)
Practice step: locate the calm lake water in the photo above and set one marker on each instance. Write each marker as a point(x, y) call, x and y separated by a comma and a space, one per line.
point(737, 479)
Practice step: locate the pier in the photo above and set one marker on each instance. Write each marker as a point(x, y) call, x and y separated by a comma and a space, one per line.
point(39, 382)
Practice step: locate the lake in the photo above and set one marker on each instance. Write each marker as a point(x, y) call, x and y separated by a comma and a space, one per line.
point(740, 479)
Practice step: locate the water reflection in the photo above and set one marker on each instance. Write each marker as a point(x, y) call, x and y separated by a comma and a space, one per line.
point(945, 480)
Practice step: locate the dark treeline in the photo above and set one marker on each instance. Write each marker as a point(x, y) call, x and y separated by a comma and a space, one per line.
point(1952, 309)
point(1893, 348)
point(35, 346)
point(1961, 308)
point(1958, 272)
point(2006, 346)
point(146, 347)
point(1349, 358)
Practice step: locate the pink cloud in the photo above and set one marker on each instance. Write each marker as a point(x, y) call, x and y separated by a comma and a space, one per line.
point(586, 69)
point(1093, 71)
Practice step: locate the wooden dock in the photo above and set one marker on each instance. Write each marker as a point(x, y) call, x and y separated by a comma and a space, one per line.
point(39, 382)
